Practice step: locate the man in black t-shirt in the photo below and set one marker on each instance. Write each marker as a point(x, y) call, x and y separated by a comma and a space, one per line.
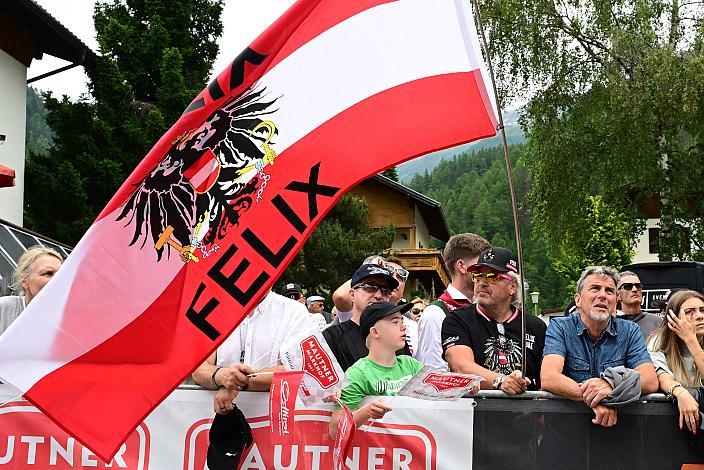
point(370, 283)
point(485, 337)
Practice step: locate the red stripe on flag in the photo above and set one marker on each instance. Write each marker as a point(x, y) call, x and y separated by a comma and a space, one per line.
point(111, 388)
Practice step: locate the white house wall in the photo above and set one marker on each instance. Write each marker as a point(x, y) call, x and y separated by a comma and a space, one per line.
point(13, 96)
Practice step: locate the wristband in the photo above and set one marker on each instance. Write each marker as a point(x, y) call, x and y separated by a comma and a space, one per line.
point(670, 394)
point(212, 377)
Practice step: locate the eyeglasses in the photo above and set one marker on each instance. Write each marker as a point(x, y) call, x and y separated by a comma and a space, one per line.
point(373, 289)
point(491, 278)
point(400, 272)
point(631, 285)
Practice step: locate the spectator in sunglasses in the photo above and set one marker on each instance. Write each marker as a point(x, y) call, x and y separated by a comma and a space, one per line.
point(630, 294)
point(370, 283)
point(341, 297)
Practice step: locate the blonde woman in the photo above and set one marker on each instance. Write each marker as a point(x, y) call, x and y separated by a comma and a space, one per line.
point(678, 354)
point(35, 268)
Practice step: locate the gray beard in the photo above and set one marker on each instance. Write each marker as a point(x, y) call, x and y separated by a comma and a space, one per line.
point(599, 316)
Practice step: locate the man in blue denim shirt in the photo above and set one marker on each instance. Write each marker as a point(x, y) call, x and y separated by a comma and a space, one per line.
point(580, 347)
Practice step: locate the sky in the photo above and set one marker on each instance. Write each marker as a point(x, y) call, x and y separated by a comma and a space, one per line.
point(243, 21)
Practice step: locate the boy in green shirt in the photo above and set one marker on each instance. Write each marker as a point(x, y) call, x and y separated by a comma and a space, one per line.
point(381, 372)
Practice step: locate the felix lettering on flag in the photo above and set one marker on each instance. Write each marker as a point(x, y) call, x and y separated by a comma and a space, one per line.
point(344, 437)
point(331, 93)
point(282, 404)
point(323, 375)
point(432, 384)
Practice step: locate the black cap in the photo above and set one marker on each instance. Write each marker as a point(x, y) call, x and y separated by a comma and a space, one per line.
point(376, 311)
point(230, 435)
point(499, 259)
point(291, 289)
point(373, 270)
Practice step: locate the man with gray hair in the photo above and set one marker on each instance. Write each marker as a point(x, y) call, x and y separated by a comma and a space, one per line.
point(581, 352)
point(594, 340)
point(630, 293)
point(485, 337)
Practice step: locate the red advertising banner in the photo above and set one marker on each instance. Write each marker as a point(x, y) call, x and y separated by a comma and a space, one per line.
point(28, 439)
point(282, 404)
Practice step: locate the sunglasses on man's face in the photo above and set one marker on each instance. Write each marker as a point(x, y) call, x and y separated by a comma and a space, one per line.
point(631, 285)
point(373, 289)
point(491, 278)
point(400, 273)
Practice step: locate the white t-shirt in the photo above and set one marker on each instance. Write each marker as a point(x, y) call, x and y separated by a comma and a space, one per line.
point(429, 327)
point(319, 320)
point(256, 341)
point(411, 334)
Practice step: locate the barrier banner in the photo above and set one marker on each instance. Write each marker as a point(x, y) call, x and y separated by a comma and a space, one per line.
point(416, 435)
point(282, 404)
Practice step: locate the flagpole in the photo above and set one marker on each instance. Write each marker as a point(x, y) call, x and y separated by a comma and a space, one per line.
point(509, 171)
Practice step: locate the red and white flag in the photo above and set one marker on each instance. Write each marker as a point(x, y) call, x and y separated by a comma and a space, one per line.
point(282, 404)
point(331, 93)
point(344, 437)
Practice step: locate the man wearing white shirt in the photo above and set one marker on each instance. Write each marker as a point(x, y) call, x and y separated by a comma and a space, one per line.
point(253, 347)
point(461, 252)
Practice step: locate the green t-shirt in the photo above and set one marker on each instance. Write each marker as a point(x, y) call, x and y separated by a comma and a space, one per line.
point(366, 377)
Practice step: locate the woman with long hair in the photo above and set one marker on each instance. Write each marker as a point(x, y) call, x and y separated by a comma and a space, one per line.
point(35, 268)
point(677, 351)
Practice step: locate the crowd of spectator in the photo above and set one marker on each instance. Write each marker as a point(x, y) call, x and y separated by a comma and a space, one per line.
point(605, 352)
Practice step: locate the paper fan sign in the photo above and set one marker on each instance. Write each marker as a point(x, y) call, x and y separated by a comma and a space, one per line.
point(432, 384)
point(324, 376)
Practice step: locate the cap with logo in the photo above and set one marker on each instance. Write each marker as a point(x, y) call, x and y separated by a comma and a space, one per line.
point(366, 271)
point(377, 311)
point(499, 259)
point(291, 289)
point(230, 435)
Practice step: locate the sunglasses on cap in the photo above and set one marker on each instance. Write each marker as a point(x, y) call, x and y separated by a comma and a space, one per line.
point(294, 295)
point(631, 285)
point(491, 278)
point(373, 289)
point(401, 273)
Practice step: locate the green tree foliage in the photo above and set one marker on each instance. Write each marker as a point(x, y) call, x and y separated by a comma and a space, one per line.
point(337, 247)
point(608, 242)
point(473, 189)
point(391, 173)
point(154, 58)
point(617, 110)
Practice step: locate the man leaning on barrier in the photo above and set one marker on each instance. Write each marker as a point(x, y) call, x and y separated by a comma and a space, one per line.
point(593, 356)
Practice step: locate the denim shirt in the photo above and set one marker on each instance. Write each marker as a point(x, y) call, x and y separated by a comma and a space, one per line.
point(620, 344)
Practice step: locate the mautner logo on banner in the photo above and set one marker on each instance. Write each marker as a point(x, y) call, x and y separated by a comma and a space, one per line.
point(28, 439)
point(317, 363)
point(379, 447)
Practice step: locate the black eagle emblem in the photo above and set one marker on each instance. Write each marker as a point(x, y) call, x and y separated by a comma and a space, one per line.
point(206, 180)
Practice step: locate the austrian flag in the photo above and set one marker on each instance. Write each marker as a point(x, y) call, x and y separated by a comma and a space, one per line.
point(330, 94)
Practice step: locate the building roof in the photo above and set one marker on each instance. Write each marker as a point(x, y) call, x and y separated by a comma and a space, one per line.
point(430, 209)
point(52, 37)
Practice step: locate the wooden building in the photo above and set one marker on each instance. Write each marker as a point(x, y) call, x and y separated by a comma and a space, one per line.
point(415, 218)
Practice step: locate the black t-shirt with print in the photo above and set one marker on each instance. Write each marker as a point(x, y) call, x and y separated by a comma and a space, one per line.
point(495, 351)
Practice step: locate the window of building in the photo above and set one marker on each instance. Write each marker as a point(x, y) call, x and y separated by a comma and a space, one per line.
point(653, 239)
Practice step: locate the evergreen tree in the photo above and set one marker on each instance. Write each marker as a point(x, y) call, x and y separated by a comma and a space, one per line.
point(154, 57)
